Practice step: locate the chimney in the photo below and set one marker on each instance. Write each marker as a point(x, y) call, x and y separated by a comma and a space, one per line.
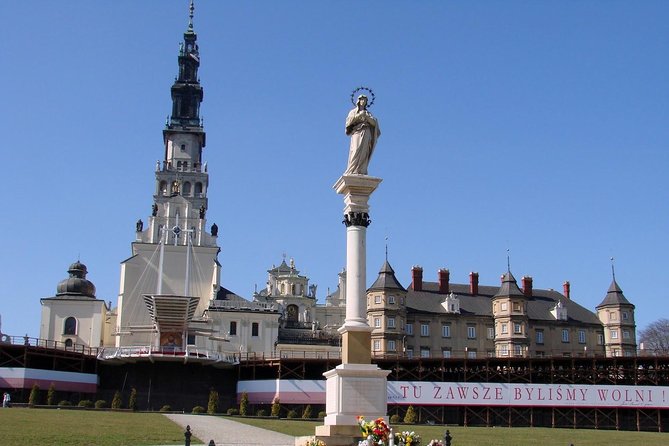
point(527, 286)
point(417, 278)
point(473, 283)
point(444, 275)
point(566, 287)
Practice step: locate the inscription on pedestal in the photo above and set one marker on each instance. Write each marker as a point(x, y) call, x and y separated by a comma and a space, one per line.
point(357, 393)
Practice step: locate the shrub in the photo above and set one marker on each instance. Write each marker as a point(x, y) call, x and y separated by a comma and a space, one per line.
point(117, 401)
point(166, 408)
point(212, 405)
point(198, 410)
point(261, 413)
point(85, 403)
point(132, 402)
point(306, 414)
point(292, 413)
point(233, 411)
point(51, 395)
point(276, 407)
point(33, 399)
point(410, 417)
point(64, 403)
point(394, 419)
point(100, 404)
point(322, 414)
point(244, 404)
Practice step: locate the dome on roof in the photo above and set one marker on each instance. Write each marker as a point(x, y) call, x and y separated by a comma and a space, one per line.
point(77, 283)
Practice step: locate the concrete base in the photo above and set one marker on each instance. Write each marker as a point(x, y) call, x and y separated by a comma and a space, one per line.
point(354, 390)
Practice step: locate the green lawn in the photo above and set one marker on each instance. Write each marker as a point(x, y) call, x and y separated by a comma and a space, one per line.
point(29, 427)
point(496, 436)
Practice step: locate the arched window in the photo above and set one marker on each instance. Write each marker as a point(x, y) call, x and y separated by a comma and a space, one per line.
point(163, 187)
point(70, 327)
point(186, 189)
point(198, 189)
point(254, 329)
point(68, 343)
point(233, 328)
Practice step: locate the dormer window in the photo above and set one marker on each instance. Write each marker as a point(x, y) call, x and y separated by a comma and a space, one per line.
point(451, 304)
point(559, 311)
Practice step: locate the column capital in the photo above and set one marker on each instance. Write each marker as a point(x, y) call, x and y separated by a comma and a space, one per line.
point(356, 219)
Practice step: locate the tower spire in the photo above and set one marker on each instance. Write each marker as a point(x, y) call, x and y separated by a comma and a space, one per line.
point(190, 15)
point(613, 269)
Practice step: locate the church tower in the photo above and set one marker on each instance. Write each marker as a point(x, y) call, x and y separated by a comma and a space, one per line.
point(174, 255)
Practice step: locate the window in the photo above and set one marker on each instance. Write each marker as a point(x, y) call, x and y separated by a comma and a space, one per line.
point(600, 339)
point(233, 328)
point(613, 316)
point(505, 329)
point(409, 352)
point(391, 346)
point(377, 299)
point(391, 299)
point(518, 350)
point(391, 322)
point(471, 332)
point(445, 331)
point(614, 334)
point(565, 335)
point(183, 147)
point(581, 336)
point(409, 329)
point(471, 354)
point(446, 352)
point(540, 336)
point(504, 306)
point(190, 339)
point(70, 326)
point(254, 329)
point(491, 333)
point(68, 342)
point(504, 350)
point(626, 334)
point(377, 345)
point(425, 329)
point(626, 315)
point(516, 307)
point(377, 322)
point(517, 328)
point(424, 352)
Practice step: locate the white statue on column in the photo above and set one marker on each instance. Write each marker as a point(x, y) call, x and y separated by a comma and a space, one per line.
point(363, 128)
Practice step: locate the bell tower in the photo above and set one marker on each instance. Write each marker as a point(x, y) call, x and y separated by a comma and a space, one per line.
point(174, 264)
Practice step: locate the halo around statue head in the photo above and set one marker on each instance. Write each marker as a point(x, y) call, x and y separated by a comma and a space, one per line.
point(354, 101)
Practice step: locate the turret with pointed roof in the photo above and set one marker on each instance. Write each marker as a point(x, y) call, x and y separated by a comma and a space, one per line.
point(617, 316)
point(386, 311)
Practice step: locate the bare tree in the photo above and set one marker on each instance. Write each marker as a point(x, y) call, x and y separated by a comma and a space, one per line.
point(655, 337)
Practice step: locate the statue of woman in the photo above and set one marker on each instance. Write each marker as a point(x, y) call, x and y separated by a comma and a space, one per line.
point(363, 128)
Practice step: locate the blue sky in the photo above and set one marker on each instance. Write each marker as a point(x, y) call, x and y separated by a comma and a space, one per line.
point(534, 127)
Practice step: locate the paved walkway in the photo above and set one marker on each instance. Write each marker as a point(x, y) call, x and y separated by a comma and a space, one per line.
point(226, 432)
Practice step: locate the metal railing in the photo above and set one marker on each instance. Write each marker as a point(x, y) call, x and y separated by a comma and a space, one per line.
point(49, 344)
point(145, 351)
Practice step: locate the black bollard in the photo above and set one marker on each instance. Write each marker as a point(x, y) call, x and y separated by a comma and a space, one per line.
point(188, 434)
point(447, 438)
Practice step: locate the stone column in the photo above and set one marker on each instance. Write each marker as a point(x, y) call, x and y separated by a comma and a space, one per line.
point(356, 387)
